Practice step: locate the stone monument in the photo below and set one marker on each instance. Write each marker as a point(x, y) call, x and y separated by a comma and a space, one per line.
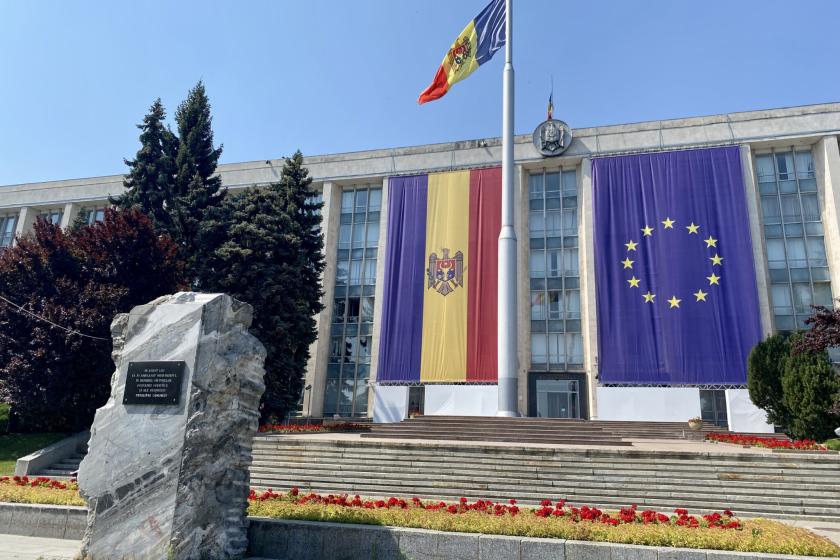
point(166, 474)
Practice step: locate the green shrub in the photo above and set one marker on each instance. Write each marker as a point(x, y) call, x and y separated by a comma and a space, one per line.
point(833, 444)
point(4, 418)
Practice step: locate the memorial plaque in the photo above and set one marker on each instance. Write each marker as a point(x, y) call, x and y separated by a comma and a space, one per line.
point(153, 382)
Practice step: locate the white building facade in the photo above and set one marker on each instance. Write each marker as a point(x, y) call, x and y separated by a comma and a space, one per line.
point(791, 169)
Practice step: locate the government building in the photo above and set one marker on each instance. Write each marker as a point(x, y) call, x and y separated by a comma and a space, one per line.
point(652, 256)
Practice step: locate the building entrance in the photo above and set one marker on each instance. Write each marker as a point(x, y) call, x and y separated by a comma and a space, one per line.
point(556, 396)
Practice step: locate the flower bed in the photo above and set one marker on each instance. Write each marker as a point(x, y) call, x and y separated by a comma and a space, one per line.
point(552, 519)
point(767, 442)
point(312, 428)
point(39, 490)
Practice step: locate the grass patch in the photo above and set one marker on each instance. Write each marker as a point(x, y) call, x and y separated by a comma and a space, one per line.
point(833, 444)
point(758, 535)
point(15, 446)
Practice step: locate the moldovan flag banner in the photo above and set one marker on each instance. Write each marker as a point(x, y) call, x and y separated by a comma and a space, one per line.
point(439, 306)
point(476, 44)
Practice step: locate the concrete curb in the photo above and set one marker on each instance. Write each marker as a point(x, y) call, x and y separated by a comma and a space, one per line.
point(280, 539)
point(37, 520)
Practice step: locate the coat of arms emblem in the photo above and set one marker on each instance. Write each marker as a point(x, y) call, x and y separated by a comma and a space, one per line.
point(552, 137)
point(445, 273)
point(460, 52)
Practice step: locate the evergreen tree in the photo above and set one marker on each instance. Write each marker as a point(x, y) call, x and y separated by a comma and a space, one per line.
point(810, 387)
point(764, 377)
point(197, 188)
point(264, 247)
point(151, 178)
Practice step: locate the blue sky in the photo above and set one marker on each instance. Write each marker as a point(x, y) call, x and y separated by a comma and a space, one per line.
point(330, 76)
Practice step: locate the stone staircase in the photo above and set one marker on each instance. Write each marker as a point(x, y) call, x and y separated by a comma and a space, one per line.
point(536, 430)
point(799, 486)
point(66, 468)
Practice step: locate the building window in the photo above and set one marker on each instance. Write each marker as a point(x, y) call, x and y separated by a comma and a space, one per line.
point(556, 339)
point(52, 216)
point(351, 341)
point(793, 235)
point(7, 230)
point(91, 215)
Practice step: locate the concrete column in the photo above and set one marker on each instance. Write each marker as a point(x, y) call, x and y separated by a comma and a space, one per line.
point(523, 281)
point(588, 305)
point(762, 273)
point(827, 167)
point(71, 210)
point(316, 371)
point(25, 221)
point(380, 285)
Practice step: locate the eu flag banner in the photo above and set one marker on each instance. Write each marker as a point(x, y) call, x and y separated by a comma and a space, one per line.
point(677, 301)
point(441, 272)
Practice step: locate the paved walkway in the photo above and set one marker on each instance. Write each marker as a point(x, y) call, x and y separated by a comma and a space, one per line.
point(14, 547)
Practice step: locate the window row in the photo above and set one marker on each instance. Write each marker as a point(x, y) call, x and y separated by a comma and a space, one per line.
point(553, 223)
point(786, 172)
point(350, 349)
point(353, 309)
point(553, 263)
point(790, 208)
point(52, 216)
point(555, 305)
point(356, 273)
point(557, 349)
point(92, 215)
point(357, 235)
point(361, 200)
point(552, 184)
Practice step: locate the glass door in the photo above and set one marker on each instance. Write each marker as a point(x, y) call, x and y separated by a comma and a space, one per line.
point(558, 398)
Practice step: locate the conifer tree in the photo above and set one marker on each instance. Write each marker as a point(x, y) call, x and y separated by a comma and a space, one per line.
point(197, 188)
point(765, 367)
point(810, 387)
point(151, 178)
point(264, 247)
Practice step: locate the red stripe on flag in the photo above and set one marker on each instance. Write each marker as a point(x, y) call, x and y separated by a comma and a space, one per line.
point(483, 274)
point(438, 88)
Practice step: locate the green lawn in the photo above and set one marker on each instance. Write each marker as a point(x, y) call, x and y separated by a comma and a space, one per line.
point(13, 446)
point(833, 444)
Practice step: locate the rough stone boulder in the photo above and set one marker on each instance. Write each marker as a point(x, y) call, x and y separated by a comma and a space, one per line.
point(171, 480)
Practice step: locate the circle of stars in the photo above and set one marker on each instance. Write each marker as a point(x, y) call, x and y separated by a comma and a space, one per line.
point(674, 302)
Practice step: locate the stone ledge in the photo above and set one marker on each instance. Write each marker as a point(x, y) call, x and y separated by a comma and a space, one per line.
point(38, 520)
point(279, 539)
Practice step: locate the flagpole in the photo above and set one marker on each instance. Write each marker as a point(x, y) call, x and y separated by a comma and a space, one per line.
point(507, 331)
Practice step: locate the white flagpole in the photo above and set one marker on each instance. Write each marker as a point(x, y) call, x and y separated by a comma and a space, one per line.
point(507, 331)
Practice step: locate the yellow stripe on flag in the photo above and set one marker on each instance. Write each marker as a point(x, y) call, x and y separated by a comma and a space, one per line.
point(443, 355)
point(460, 61)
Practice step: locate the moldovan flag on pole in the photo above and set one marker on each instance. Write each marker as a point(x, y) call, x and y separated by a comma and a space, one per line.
point(476, 44)
point(439, 303)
